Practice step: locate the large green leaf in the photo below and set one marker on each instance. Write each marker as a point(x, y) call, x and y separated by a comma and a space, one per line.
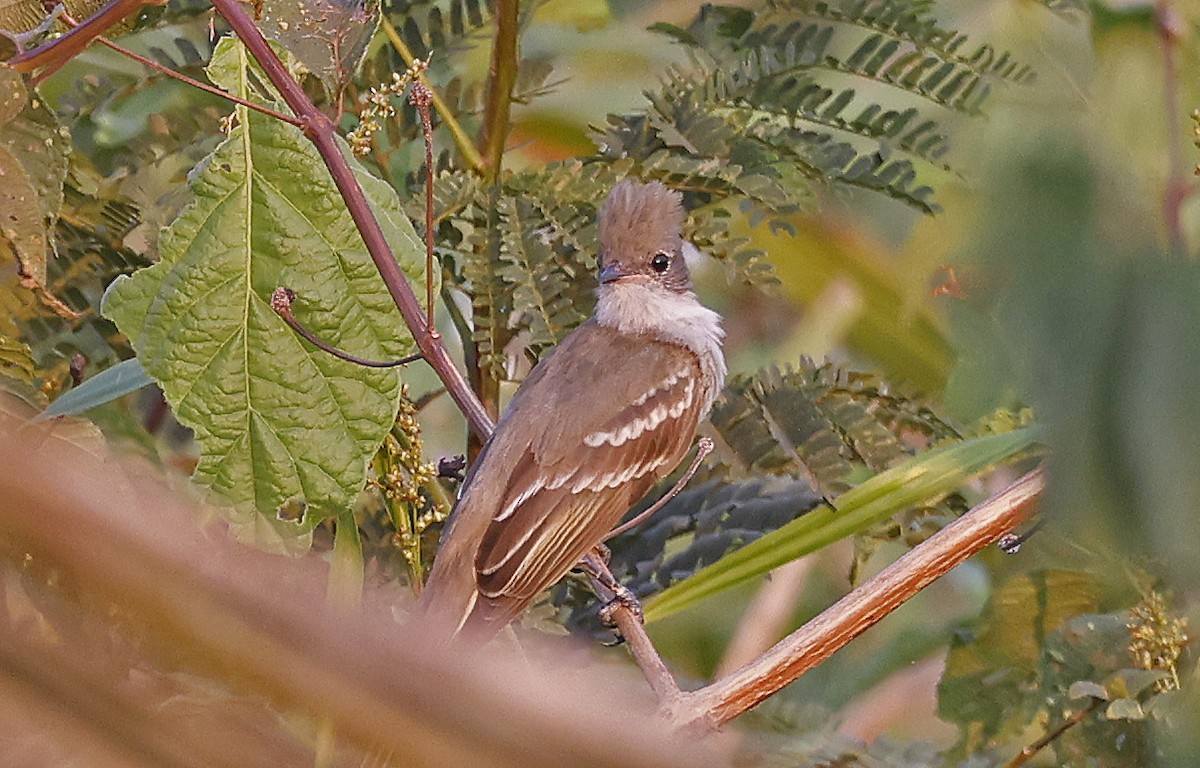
point(277, 420)
point(919, 480)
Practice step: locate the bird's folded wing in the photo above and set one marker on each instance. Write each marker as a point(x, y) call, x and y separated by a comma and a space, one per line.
point(634, 421)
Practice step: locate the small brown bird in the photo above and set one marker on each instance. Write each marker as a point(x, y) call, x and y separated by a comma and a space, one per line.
point(612, 410)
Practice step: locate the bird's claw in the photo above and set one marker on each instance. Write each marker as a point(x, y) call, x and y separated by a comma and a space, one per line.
point(622, 598)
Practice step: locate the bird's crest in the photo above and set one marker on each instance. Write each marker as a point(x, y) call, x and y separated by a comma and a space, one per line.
point(638, 219)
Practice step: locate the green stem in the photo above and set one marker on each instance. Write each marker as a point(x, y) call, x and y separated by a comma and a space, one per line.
point(344, 591)
point(461, 140)
point(502, 77)
point(438, 493)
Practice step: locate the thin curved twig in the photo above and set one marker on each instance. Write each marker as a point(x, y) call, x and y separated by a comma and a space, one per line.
point(281, 303)
point(703, 448)
point(151, 64)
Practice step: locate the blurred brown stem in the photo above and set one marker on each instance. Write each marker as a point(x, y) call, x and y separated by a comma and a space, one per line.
point(322, 132)
point(91, 660)
point(725, 699)
point(767, 616)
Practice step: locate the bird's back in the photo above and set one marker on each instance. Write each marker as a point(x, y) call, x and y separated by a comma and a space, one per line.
point(559, 489)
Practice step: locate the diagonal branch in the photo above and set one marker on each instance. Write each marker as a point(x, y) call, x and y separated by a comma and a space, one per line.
point(322, 132)
point(150, 63)
point(722, 701)
point(629, 624)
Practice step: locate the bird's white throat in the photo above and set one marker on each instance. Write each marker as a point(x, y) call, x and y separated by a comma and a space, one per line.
point(636, 308)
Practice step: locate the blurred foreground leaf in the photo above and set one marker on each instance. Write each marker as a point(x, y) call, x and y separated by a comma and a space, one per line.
point(990, 669)
point(1043, 657)
point(1097, 330)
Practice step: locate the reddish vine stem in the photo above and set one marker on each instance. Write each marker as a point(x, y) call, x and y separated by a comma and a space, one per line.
point(321, 131)
point(185, 79)
point(57, 52)
point(281, 303)
point(733, 695)
point(421, 97)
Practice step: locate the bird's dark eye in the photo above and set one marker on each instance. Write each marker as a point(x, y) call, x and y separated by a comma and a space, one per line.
point(660, 262)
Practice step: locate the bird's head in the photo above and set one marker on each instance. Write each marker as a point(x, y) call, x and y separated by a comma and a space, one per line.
point(638, 229)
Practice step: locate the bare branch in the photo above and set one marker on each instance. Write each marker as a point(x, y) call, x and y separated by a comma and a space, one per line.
point(1075, 719)
point(629, 624)
point(817, 640)
point(150, 63)
point(193, 82)
point(321, 131)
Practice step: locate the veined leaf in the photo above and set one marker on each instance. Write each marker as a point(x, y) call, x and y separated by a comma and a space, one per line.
point(277, 420)
point(329, 37)
point(930, 475)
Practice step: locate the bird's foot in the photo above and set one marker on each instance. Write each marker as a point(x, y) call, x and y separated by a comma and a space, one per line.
point(622, 598)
